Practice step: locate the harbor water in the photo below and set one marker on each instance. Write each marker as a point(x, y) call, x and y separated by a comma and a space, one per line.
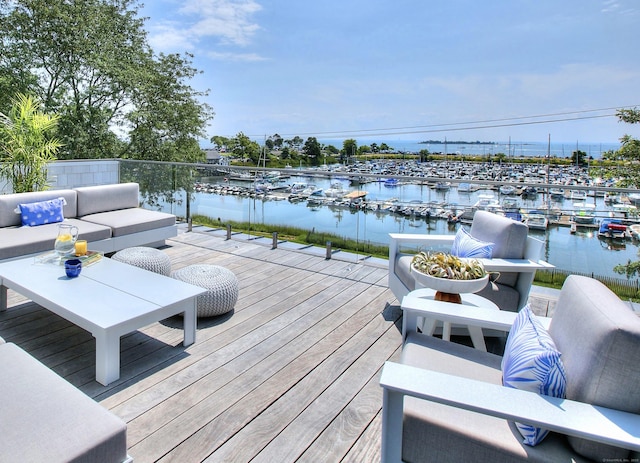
point(580, 251)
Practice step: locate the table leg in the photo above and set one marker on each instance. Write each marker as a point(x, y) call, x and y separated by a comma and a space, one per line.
point(475, 332)
point(190, 320)
point(3, 298)
point(446, 331)
point(107, 358)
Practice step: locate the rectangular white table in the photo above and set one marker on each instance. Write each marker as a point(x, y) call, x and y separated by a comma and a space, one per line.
point(109, 299)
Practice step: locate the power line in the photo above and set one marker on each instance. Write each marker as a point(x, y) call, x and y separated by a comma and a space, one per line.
point(469, 125)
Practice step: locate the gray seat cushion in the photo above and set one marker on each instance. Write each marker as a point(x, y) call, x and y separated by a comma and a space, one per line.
point(22, 241)
point(134, 220)
point(435, 432)
point(44, 418)
point(599, 338)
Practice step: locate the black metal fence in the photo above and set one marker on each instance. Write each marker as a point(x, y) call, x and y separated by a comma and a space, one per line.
point(625, 289)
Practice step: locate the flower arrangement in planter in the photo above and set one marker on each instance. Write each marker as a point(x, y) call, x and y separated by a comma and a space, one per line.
point(448, 275)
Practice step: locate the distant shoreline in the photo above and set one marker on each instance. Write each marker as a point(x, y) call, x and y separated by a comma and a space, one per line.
point(455, 142)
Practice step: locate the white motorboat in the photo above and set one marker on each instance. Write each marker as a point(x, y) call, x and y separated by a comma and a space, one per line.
point(584, 213)
point(536, 220)
point(507, 190)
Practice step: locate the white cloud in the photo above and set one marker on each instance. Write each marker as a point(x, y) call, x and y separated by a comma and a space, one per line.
point(618, 7)
point(208, 24)
point(239, 57)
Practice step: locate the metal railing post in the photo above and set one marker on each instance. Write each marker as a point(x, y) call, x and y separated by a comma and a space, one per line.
point(228, 232)
point(274, 240)
point(328, 250)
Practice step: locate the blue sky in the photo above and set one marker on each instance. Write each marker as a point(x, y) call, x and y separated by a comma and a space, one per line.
point(409, 69)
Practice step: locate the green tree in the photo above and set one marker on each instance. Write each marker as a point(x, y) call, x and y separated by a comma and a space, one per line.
point(89, 62)
point(245, 149)
point(312, 150)
point(364, 149)
point(424, 155)
point(625, 167)
point(27, 146)
point(579, 158)
point(349, 149)
point(220, 142)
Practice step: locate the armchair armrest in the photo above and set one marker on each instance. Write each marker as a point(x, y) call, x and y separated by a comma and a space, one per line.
point(514, 265)
point(414, 307)
point(600, 424)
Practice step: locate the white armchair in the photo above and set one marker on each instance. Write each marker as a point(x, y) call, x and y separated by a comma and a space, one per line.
point(516, 257)
point(445, 401)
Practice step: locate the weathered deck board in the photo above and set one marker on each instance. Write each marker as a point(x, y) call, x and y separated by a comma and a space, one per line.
point(291, 374)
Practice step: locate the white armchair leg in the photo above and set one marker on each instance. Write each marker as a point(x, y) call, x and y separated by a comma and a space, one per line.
point(392, 416)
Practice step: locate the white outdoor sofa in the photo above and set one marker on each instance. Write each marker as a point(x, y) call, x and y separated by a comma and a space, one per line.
point(45, 418)
point(107, 216)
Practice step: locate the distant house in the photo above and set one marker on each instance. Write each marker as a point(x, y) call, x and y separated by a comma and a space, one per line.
point(213, 156)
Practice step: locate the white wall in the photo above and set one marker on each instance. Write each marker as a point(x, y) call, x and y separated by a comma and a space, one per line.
point(71, 174)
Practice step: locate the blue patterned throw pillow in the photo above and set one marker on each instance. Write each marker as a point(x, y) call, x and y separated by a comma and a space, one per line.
point(42, 212)
point(532, 363)
point(465, 245)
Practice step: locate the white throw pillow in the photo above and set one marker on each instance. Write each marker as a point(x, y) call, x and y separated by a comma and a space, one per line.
point(532, 363)
point(465, 245)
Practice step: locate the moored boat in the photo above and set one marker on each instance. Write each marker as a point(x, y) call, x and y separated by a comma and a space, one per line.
point(507, 190)
point(536, 220)
point(612, 228)
point(584, 214)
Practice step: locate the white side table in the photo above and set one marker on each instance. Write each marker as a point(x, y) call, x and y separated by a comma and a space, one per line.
point(421, 304)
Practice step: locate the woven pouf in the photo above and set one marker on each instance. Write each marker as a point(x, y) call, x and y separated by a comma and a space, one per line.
point(150, 259)
point(221, 285)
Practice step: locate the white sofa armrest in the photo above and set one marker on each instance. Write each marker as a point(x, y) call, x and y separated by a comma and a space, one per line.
point(600, 424)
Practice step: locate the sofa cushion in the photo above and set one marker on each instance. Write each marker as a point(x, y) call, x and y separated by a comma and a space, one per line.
point(599, 337)
point(93, 199)
point(532, 363)
point(435, 432)
point(42, 212)
point(465, 245)
point(133, 220)
point(509, 236)
point(44, 418)
point(9, 203)
point(22, 241)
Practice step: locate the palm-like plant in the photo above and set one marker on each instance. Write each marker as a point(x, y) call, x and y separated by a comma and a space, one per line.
point(26, 147)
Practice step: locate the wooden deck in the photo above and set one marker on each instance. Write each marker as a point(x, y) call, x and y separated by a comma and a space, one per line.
point(290, 375)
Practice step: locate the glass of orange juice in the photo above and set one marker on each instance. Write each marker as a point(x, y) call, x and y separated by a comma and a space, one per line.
point(81, 247)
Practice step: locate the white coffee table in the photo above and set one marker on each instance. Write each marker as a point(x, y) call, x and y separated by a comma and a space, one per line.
point(109, 299)
point(421, 304)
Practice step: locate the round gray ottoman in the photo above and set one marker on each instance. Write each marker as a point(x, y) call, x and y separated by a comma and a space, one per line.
point(221, 285)
point(150, 259)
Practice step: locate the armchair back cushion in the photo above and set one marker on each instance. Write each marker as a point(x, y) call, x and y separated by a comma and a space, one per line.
point(599, 338)
point(508, 237)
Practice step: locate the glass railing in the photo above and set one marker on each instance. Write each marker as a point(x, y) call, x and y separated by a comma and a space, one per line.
point(364, 203)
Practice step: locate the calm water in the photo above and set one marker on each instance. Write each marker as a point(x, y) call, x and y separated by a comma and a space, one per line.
point(583, 251)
